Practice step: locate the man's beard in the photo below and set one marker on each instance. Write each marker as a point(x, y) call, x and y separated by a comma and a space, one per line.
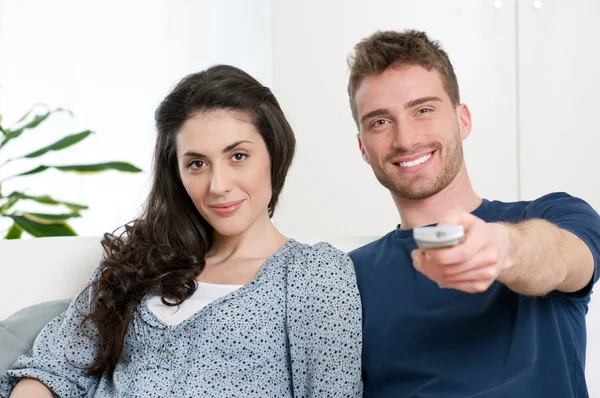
point(421, 188)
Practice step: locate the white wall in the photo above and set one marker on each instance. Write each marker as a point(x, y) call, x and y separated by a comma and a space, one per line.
point(558, 64)
point(112, 69)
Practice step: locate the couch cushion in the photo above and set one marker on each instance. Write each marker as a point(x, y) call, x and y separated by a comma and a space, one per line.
point(18, 332)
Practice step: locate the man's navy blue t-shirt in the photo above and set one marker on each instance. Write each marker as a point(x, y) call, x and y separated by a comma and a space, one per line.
point(423, 341)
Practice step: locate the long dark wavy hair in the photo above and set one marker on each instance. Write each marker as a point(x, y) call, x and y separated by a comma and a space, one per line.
point(163, 251)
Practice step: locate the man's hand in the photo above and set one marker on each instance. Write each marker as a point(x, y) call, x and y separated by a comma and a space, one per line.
point(473, 265)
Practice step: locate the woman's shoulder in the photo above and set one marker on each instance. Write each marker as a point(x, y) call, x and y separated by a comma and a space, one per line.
point(321, 259)
point(321, 250)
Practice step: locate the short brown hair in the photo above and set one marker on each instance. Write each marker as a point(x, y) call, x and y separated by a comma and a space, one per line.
point(381, 50)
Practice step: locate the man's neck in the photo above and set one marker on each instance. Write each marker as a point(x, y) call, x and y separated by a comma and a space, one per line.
point(458, 195)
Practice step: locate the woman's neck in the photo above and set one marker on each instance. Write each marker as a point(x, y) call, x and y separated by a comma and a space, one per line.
point(260, 240)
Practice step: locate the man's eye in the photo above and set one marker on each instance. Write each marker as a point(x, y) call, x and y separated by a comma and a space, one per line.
point(379, 122)
point(424, 110)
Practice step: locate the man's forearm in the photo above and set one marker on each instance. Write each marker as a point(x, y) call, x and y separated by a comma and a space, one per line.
point(532, 258)
point(536, 261)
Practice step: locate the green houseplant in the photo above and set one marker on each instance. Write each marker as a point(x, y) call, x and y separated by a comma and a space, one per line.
point(42, 224)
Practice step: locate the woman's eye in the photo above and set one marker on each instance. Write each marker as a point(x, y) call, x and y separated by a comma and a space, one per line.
point(238, 157)
point(196, 164)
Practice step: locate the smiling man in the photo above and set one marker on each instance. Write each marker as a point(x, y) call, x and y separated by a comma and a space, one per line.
point(511, 320)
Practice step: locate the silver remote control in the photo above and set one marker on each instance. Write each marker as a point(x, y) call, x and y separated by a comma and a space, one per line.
point(429, 238)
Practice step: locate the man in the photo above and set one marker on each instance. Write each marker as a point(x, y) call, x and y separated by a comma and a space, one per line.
point(509, 321)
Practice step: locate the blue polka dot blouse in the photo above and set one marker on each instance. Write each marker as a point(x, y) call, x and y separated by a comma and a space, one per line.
point(293, 331)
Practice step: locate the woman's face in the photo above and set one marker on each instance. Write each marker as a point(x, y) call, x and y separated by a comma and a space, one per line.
point(225, 168)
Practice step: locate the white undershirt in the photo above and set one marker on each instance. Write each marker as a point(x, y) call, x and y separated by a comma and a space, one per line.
point(204, 295)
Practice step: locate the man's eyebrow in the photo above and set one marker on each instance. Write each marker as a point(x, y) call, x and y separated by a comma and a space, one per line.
point(419, 101)
point(376, 112)
point(409, 104)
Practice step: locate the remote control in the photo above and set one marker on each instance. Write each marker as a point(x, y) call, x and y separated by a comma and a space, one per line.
point(429, 238)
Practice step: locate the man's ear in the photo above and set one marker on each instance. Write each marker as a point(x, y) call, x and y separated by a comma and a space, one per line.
point(464, 120)
point(364, 154)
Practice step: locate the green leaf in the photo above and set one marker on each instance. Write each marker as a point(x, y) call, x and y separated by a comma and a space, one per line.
point(47, 200)
point(60, 144)
point(37, 120)
point(84, 169)
point(25, 116)
point(100, 167)
point(12, 134)
point(40, 230)
point(48, 219)
point(14, 232)
point(74, 207)
point(38, 169)
point(10, 203)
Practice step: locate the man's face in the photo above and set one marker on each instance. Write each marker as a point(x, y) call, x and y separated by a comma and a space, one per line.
point(409, 131)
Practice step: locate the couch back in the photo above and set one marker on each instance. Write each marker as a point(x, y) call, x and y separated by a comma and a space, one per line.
point(43, 269)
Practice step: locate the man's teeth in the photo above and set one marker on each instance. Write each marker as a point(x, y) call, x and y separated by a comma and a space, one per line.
point(415, 162)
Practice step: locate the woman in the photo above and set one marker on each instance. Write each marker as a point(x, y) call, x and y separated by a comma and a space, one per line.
point(202, 295)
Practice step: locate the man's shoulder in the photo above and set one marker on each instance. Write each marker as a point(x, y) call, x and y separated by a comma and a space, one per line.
point(556, 199)
point(549, 197)
point(555, 205)
point(372, 249)
point(498, 210)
